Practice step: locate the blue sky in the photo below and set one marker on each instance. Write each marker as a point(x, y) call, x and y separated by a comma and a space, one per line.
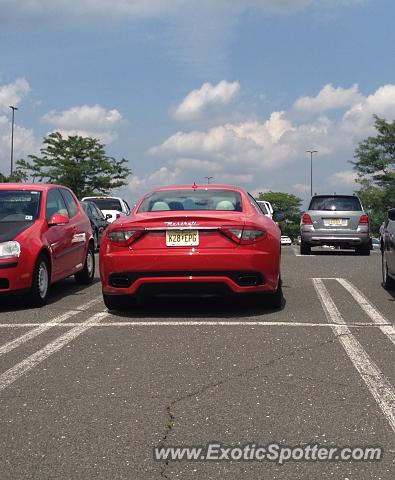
point(236, 89)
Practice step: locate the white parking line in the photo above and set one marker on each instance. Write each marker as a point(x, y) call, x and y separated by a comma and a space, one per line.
point(383, 324)
point(375, 380)
point(45, 326)
point(15, 372)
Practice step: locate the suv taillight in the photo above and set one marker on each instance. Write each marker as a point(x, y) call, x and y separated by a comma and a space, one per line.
point(306, 220)
point(243, 235)
point(364, 220)
point(125, 236)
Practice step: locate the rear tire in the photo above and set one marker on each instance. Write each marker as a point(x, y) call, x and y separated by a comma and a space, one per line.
point(39, 290)
point(363, 251)
point(117, 302)
point(305, 248)
point(388, 282)
point(86, 275)
point(272, 301)
point(275, 300)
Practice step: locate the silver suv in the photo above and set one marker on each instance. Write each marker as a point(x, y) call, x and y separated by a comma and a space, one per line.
point(337, 220)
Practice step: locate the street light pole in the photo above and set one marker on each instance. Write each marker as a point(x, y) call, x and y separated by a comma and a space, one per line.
point(311, 169)
point(208, 179)
point(12, 137)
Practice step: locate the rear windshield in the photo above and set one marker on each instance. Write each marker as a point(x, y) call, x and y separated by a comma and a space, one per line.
point(19, 205)
point(263, 207)
point(331, 203)
point(180, 200)
point(107, 203)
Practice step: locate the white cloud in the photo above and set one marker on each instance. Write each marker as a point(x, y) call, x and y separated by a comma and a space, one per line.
point(344, 178)
point(25, 143)
point(248, 145)
point(301, 188)
point(358, 119)
point(207, 97)
point(162, 177)
point(86, 121)
point(83, 117)
point(329, 98)
point(195, 165)
point(13, 93)
point(254, 151)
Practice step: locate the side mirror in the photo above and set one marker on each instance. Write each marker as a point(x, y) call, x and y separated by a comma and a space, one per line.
point(58, 219)
point(391, 214)
point(278, 216)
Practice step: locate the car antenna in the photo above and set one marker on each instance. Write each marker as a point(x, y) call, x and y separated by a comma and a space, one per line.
point(194, 186)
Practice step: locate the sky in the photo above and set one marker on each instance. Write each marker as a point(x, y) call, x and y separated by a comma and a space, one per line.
point(183, 89)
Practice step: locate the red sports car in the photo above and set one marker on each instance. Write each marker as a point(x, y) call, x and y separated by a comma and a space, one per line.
point(44, 237)
point(200, 239)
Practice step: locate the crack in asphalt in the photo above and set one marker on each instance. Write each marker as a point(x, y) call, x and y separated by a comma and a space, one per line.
point(170, 423)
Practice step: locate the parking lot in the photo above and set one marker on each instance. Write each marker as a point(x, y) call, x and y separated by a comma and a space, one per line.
point(89, 394)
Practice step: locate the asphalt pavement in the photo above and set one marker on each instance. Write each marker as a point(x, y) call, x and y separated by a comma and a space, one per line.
point(86, 394)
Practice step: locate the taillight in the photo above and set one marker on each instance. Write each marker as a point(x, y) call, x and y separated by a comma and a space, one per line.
point(243, 235)
point(125, 236)
point(364, 220)
point(306, 220)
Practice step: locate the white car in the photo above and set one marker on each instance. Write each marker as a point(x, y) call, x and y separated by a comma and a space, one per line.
point(285, 240)
point(112, 207)
point(266, 208)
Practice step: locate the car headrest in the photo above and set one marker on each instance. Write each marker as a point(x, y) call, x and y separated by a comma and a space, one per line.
point(159, 206)
point(225, 205)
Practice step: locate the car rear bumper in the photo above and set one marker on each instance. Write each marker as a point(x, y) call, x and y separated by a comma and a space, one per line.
point(349, 238)
point(131, 273)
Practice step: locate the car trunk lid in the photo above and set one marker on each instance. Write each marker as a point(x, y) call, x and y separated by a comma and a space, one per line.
point(179, 230)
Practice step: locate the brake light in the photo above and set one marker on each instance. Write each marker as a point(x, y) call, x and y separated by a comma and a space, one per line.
point(125, 236)
point(364, 220)
point(243, 235)
point(306, 220)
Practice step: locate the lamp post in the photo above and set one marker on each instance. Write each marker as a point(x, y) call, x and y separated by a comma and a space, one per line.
point(12, 137)
point(208, 179)
point(311, 168)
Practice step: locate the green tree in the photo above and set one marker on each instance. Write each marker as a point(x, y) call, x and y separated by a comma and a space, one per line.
point(290, 205)
point(77, 162)
point(17, 176)
point(375, 167)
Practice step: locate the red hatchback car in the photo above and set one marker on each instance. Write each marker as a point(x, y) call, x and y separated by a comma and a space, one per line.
point(44, 237)
point(196, 239)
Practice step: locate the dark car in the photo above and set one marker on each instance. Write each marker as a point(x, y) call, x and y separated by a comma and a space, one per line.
point(388, 251)
point(97, 219)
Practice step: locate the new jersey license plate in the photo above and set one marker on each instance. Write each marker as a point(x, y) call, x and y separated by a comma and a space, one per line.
point(182, 238)
point(336, 222)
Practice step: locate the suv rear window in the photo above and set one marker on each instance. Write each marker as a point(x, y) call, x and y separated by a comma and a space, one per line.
point(341, 203)
point(107, 203)
point(179, 200)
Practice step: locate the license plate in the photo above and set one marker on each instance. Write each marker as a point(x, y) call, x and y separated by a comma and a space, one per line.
point(182, 238)
point(336, 222)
